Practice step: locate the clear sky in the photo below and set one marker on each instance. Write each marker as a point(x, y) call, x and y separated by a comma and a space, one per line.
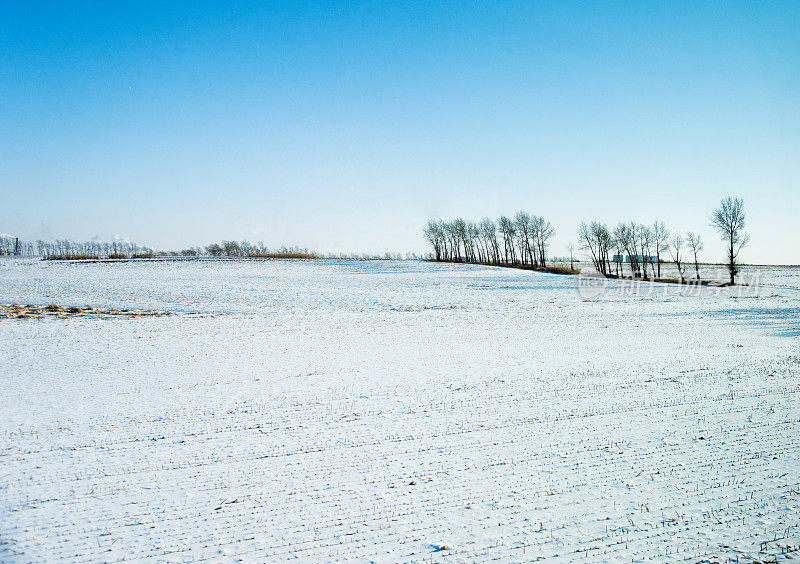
point(344, 126)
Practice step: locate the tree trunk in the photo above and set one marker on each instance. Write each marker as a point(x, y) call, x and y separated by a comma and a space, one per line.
point(732, 266)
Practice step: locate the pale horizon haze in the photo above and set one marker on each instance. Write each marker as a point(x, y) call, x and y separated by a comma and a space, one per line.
point(343, 127)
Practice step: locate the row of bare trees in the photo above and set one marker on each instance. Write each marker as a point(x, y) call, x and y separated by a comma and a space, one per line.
point(64, 248)
point(521, 240)
point(640, 246)
point(13, 246)
point(645, 245)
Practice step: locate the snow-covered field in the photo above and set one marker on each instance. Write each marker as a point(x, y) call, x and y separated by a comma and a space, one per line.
point(395, 411)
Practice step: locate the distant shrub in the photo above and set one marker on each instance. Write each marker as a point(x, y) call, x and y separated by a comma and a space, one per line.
point(560, 270)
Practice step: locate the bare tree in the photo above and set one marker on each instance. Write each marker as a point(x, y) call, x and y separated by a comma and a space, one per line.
point(729, 220)
point(644, 239)
point(473, 236)
point(489, 234)
point(459, 229)
point(617, 258)
point(508, 231)
point(541, 231)
point(587, 242)
point(696, 245)
point(571, 249)
point(453, 235)
point(522, 223)
point(625, 239)
point(435, 235)
point(660, 238)
point(676, 244)
point(596, 239)
point(215, 250)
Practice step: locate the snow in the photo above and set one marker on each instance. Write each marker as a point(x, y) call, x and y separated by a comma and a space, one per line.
point(395, 411)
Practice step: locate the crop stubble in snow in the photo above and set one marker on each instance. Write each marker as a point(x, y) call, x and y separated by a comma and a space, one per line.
point(394, 411)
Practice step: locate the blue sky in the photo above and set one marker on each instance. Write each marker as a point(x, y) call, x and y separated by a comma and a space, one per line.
point(344, 126)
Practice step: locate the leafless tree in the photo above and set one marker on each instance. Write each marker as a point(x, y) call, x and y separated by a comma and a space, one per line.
point(625, 240)
point(596, 239)
point(522, 224)
point(541, 231)
point(729, 220)
point(473, 237)
point(508, 231)
point(434, 233)
point(488, 231)
point(454, 236)
point(460, 231)
point(676, 245)
point(660, 241)
point(571, 249)
point(215, 250)
point(696, 245)
point(644, 237)
point(587, 242)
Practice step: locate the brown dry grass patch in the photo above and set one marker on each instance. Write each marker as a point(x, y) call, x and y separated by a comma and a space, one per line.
point(72, 257)
point(16, 311)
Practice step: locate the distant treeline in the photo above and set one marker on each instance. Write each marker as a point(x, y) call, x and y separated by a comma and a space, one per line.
point(521, 240)
point(246, 249)
point(12, 246)
point(66, 249)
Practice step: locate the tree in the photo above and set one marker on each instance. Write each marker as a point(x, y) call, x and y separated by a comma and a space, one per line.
point(645, 238)
point(435, 235)
point(522, 223)
point(660, 238)
point(596, 239)
point(571, 248)
point(625, 239)
point(215, 250)
point(728, 220)
point(460, 231)
point(473, 236)
point(542, 231)
point(489, 234)
point(696, 245)
point(587, 242)
point(451, 228)
point(676, 244)
point(507, 230)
